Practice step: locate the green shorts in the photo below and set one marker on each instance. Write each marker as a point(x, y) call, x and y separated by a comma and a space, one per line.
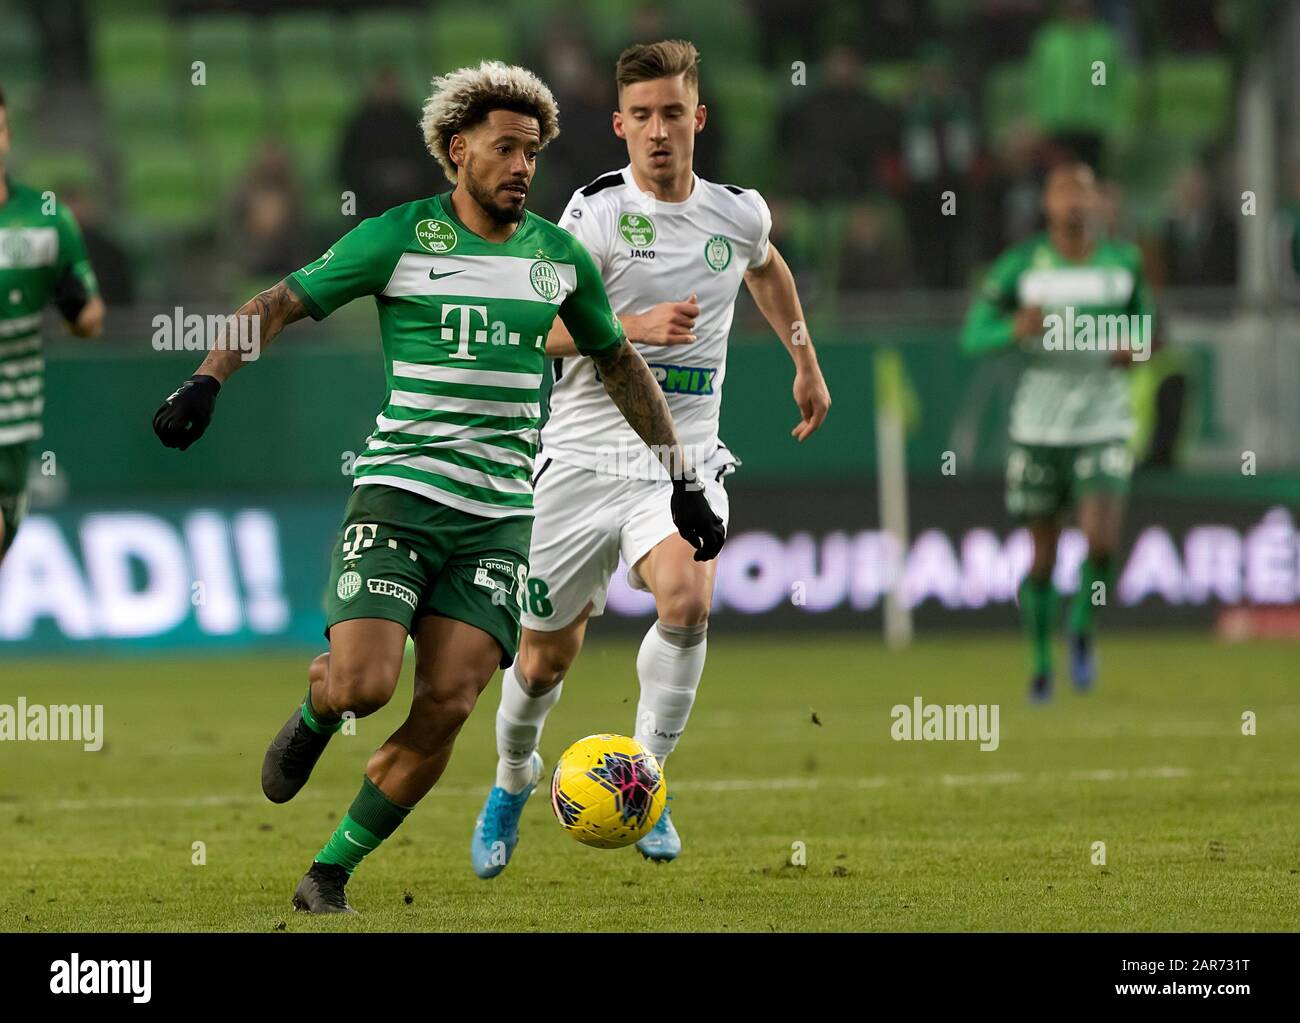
point(13, 490)
point(1044, 480)
point(401, 556)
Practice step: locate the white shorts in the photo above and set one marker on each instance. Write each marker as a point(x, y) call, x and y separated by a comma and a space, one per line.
point(582, 522)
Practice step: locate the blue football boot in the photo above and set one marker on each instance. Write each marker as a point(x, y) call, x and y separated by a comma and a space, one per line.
point(1083, 662)
point(662, 843)
point(496, 832)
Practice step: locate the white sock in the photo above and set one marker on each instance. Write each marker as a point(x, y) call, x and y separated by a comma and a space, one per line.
point(520, 718)
point(669, 665)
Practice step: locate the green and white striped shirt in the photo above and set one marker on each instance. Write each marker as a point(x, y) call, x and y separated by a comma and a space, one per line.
point(463, 323)
point(1063, 397)
point(40, 243)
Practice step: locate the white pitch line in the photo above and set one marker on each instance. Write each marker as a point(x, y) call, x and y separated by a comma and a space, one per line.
point(1102, 774)
point(688, 785)
point(1000, 778)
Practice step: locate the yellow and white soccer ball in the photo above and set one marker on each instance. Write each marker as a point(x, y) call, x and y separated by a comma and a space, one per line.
point(608, 791)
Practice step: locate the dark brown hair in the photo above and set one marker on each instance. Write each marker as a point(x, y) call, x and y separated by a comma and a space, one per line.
point(667, 58)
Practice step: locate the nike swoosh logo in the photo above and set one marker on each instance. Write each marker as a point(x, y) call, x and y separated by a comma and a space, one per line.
point(435, 276)
point(348, 836)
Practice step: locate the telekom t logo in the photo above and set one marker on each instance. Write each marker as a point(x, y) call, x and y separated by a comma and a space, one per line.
point(470, 316)
point(468, 313)
point(358, 537)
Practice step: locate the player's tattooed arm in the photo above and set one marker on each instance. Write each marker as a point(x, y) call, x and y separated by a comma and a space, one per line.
point(633, 388)
point(185, 415)
point(270, 312)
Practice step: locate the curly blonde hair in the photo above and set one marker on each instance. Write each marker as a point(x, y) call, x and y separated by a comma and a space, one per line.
point(464, 97)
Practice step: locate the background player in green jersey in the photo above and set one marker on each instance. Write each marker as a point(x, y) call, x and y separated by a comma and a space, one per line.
point(436, 534)
point(1071, 420)
point(42, 261)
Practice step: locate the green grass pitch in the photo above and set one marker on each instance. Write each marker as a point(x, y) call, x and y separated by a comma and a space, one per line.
point(1199, 821)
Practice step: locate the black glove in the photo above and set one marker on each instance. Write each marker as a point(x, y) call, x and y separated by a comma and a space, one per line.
point(182, 418)
point(70, 295)
point(696, 521)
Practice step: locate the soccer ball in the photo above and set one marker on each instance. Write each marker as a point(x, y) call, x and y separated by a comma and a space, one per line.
point(608, 791)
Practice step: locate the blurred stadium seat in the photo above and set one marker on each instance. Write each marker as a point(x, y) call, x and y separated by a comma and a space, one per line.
point(303, 72)
point(167, 187)
point(388, 39)
point(1006, 91)
point(135, 48)
point(748, 102)
point(1193, 97)
point(227, 43)
point(20, 50)
point(232, 118)
point(304, 39)
point(465, 36)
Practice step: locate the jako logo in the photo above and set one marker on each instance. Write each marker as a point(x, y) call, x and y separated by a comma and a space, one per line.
point(102, 977)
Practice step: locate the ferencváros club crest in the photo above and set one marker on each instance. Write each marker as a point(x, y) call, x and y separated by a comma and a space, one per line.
point(637, 231)
point(349, 585)
point(545, 281)
point(717, 253)
point(436, 236)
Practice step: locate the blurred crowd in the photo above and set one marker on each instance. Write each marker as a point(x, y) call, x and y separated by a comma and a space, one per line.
point(914, 178)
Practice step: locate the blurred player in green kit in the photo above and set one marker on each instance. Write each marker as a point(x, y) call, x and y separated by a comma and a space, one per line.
point(1079, 309)
point(42, 261)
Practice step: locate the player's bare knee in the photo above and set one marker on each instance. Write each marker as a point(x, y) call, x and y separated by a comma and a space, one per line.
point(541, 667)
point(361, 689)
point(441, 713)
point(685, 606)
point(319, 669)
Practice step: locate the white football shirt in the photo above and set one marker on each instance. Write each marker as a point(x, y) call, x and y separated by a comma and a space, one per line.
point(649, 251)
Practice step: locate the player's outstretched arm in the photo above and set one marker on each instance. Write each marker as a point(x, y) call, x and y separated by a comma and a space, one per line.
point(777, 298)
point(183, 417)
point(633, 388)
point(668, 323)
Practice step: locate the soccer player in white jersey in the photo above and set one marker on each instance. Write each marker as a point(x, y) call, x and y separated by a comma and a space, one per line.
point(672, 250)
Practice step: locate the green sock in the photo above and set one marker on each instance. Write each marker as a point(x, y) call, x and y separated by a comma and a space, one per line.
point(1083, 608)
point(1038, 613)
point(370, 819)
point(317, 722)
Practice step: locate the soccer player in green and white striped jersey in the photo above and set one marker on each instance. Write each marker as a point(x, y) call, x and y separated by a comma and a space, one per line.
point(1079, 308)
point(42, 262)
point(436, 534)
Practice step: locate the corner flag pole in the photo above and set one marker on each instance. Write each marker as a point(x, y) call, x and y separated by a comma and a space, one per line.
point(895, 411)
